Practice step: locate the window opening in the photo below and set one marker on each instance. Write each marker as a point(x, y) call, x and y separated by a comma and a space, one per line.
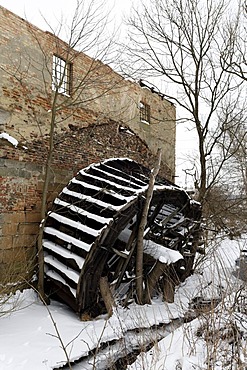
point(61, 75)
point(144, 112)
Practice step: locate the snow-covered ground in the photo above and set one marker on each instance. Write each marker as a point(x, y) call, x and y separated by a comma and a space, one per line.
point(217, 339)
point(29, 340)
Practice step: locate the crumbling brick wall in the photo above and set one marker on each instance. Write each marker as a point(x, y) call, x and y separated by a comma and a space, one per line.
point(21, 182)
point(26, 56)
point(84, 133)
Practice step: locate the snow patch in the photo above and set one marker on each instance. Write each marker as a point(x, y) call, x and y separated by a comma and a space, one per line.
point(161, 253)
point(72, 275)
point(9, 138)
point(67, 238)
point(82, 212)
point(76, 224)
point(63, 252)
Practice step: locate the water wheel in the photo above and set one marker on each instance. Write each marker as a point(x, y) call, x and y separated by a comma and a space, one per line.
point(92, 228)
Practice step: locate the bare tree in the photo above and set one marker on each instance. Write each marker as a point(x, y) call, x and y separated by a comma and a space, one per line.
point(87, 33)
point(236, 139)
point(181, 41)
point(65, 81)
point(141, 229)
point(235, 171)
point(234, 53)
point(235, 62)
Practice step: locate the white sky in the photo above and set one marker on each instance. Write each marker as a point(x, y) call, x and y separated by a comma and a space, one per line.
point(56, 15)
point(54, 10)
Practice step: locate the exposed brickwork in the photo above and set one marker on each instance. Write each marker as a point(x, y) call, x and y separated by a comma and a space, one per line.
point(85, 133)
point(78, 147)
point(98, 94)
point(21, 182)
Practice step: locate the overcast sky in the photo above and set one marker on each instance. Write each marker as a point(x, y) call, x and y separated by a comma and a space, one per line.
point(54, 9)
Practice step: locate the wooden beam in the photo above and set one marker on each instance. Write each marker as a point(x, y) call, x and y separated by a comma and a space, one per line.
point(107, 295)
point(158, 269)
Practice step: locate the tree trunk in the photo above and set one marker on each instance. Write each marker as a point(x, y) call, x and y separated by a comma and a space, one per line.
point(140, 236)
point(44, 203)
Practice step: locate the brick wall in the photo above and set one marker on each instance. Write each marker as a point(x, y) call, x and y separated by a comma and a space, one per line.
point(19, 209)
point(21, 181)
point(86, 132)
point(98, 94)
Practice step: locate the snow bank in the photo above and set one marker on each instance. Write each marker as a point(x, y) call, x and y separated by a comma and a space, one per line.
point(28, 339)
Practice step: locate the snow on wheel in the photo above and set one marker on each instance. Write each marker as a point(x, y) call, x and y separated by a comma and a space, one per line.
point(92, 228)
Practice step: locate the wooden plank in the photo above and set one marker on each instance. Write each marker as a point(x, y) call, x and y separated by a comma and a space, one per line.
point(107, 295)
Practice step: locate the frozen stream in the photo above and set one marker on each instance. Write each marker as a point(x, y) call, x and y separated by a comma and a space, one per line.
point(118, 354)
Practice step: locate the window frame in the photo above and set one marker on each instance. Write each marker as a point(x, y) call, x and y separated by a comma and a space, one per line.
point(61, 75)
point(145, 116)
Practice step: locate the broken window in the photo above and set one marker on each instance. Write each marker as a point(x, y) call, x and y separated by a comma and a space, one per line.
point(61, 75)
point(144, 112)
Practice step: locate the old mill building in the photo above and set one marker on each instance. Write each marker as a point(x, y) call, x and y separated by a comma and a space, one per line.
point(97, 114)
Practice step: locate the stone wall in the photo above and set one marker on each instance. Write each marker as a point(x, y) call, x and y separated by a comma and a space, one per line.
point(20, 185)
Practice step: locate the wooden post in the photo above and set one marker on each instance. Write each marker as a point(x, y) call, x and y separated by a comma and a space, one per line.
point(107, 295)
point(169, 283)
point(153, 277)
